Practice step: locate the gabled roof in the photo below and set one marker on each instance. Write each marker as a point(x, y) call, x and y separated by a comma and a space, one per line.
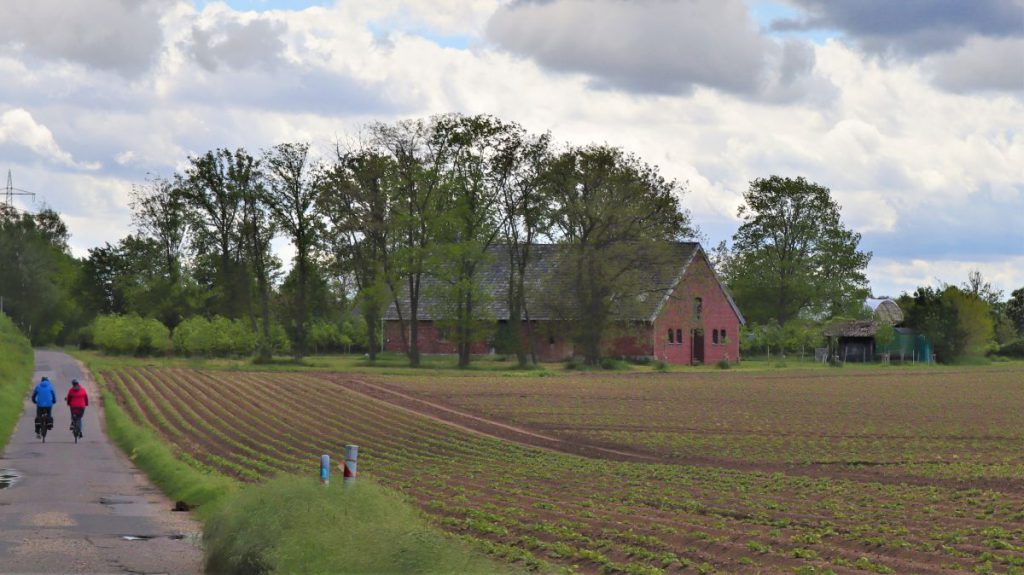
point(547, 282)
point(699, 252)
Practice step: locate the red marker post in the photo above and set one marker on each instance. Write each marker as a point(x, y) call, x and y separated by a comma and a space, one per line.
point(351, 455)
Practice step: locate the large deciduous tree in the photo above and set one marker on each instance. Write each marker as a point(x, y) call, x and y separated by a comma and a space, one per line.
point(357, 206)
point(293, 192)
point(615, 217)
point(792, 255)
point(214, 206)
point(415, 211)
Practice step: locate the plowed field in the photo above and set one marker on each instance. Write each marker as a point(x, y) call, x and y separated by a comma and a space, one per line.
point(656, 474)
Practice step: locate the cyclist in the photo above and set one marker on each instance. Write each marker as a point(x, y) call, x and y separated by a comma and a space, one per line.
point(77, 400)
point(44, 397)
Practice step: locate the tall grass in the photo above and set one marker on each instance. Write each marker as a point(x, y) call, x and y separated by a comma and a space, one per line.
point(295, 525)
point(16, 363)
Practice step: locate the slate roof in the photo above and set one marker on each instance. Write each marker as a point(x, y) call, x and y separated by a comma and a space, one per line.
point(549, 285)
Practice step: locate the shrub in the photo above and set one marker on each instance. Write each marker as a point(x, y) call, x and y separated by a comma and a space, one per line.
point(295, 525)
point(612, 364)
point(723, 364)
point(661, 365)
point(130, 334)
point(1013, 349)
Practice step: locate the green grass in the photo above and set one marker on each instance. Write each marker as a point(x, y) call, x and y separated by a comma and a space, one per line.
point(16, 362)
point(293, 524)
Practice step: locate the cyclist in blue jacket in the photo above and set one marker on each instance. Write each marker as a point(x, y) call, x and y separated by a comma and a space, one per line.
point(44, 397)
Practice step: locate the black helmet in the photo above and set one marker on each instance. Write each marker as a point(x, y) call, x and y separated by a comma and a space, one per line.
point(74, 382)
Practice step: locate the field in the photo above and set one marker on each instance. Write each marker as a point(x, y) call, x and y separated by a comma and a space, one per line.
point(906, 471)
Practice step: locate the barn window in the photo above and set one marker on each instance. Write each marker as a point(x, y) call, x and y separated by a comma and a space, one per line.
point(679, 336)
point(722, 336)
point(714, 336)
point(670, 338)
point(698, 307)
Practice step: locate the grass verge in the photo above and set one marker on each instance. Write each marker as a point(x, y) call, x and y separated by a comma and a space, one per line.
point(16, 363)
point(293, 524)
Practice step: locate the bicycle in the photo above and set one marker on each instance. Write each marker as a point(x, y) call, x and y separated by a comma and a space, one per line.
point(44, 423)
point(76, 426)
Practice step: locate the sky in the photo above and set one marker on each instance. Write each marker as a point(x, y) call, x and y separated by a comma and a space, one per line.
point(911, 112)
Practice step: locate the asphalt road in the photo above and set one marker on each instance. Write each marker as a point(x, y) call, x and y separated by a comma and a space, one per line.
point(77, 508)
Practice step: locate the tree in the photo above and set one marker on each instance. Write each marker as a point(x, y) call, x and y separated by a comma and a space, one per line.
point(1015, 309)
point(38, 274)
point(615, 216)
point(214, 206)
point(415, 211)
point(357, 206)
point(159, 214)
point(472, 152)
point(956, 322)
point(792, 255)
point(524, 216)
point(293, 192)
point(257, 231)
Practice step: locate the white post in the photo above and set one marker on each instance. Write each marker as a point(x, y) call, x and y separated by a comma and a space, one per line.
point(351, 455)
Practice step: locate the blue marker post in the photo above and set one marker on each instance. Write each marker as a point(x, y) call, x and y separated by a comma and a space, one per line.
point(325, 469)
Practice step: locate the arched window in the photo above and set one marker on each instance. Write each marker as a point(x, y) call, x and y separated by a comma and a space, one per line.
point(670, 339)
point(721, 337)
point(698, 307)
point(679, 336)
point(714, 336)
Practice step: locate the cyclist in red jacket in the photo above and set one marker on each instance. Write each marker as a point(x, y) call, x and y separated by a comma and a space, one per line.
point(77, 400)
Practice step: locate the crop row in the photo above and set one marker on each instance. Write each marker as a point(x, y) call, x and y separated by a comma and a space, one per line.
point(539, 508)
point(944, 424)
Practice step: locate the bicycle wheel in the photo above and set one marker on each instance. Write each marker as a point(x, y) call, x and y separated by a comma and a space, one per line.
point(42, 431)
point(77, 431)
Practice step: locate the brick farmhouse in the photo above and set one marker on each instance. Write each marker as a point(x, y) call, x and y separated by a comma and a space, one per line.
point(682, 315)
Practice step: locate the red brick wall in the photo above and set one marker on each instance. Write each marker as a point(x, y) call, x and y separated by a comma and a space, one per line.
point(553, 344)
point(633, 340)
point(429, 338)
point(716, 315)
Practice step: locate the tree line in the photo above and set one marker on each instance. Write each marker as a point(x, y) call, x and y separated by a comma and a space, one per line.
point(366, 225)
point(371, 219)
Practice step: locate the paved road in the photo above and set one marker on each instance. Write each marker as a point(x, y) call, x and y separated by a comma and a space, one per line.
point(73, 504)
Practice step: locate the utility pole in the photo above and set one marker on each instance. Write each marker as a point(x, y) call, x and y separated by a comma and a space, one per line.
point(10, 191)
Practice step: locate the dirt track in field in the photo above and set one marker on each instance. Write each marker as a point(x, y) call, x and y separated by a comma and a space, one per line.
point(862, 471)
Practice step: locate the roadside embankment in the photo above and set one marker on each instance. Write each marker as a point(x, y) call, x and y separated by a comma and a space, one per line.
point(16, 363)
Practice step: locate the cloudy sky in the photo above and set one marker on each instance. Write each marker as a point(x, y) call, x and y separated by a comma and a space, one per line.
point(912, 112)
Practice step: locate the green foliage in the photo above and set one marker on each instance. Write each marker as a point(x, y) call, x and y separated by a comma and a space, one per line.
point(16, 363)
point(130, 334)
point(1012, 349)
point(1015, 309)
point(616, 217)
point(957, 323)
point(294, 524)
point(792, 255)
point(198, 336)
point(38, 275)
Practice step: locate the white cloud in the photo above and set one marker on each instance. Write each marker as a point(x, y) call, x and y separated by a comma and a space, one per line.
point(924, 173)
point(17, 126)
